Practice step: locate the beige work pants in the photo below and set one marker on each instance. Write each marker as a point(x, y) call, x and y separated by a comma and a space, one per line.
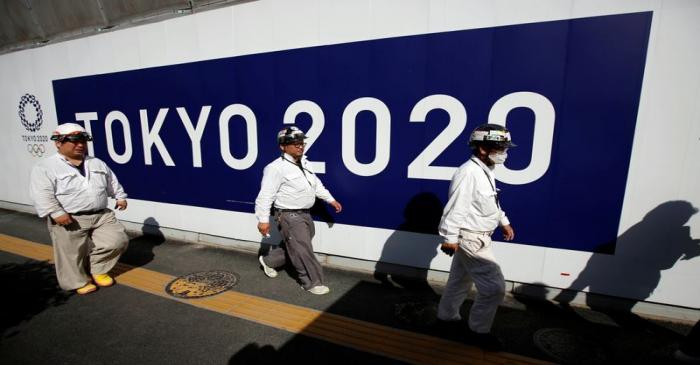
point(92, 244)
point(473, 263)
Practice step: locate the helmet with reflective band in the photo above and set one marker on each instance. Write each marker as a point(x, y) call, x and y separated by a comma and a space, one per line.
point(71, 132)
point(290, 135)
point(491, 135)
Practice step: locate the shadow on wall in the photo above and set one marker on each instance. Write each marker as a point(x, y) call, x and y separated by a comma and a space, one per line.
point(421, 215)
point(28, 289)
point(141, 249)
point(642, 252)
point(414, 298)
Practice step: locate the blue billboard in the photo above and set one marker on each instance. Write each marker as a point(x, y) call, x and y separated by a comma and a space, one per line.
point(389, 121)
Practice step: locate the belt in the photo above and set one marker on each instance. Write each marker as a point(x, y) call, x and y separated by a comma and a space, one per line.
point(485, 233)
point(294, 210)
point(88, 212)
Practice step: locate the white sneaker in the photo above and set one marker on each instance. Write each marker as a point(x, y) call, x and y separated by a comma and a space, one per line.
point(319, 290)
point(270, 272)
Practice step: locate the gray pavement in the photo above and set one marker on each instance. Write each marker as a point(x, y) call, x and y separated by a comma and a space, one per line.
point(42, 324)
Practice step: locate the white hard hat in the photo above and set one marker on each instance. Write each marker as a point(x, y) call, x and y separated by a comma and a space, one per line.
point(68, 128)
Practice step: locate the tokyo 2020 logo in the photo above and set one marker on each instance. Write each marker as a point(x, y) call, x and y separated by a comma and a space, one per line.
point(29, 101)
point(32, 117)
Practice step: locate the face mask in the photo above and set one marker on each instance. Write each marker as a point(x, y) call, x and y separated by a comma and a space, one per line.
point(498, 157)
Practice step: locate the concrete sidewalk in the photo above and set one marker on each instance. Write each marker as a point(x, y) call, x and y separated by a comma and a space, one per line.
point(129, 324)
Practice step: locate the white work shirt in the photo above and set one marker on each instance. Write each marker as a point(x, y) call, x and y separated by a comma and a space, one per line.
point(472, 202)
point(286, 186)
point(57, 187)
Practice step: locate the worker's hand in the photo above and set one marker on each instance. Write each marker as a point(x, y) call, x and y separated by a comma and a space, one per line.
point(336, 205)
point(264, 228)
point(449, 248)
point(121, 204)
point(508, 233)
point(63, 220)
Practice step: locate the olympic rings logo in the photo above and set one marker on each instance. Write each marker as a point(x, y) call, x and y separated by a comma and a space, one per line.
point(34, 125)
point(36, 150)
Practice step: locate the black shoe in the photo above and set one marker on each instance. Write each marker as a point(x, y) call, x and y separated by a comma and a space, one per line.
point(486, 341)
point(460, 331)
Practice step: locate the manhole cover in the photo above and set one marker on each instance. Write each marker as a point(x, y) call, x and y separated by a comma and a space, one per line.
point(202, 284)
point(568, 347)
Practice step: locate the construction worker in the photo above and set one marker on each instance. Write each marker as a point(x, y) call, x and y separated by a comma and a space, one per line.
point(71, 189)
point(289, 184)
point(472, 213)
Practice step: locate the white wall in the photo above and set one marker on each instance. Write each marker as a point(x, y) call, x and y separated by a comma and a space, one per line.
point(664, 165)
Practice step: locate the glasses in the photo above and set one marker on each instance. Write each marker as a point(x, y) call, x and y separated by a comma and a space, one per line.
point(76, 139)
point(298, 145)
point(73, 138)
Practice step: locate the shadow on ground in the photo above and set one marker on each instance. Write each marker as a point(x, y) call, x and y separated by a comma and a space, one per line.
point(528, 323)
point(28, 289)
point(577, 335)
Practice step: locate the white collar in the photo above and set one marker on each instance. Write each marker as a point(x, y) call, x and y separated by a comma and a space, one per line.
point(290, 158)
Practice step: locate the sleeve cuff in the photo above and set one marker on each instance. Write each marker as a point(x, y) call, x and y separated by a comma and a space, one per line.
point(504, 221)
point(265, 219)
point(57, 213)
point(451, 238)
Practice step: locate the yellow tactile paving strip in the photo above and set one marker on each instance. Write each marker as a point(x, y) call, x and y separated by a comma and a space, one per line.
point(369, 337)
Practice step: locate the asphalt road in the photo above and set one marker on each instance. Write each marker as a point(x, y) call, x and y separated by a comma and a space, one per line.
point(42, 324)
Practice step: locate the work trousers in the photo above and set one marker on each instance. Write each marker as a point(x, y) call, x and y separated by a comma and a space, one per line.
point(297, 229)
point(473, 263)
point(92, 244)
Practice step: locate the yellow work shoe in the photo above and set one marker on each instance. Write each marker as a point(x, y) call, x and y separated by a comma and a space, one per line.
point(103, 279)
point(88, 288)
